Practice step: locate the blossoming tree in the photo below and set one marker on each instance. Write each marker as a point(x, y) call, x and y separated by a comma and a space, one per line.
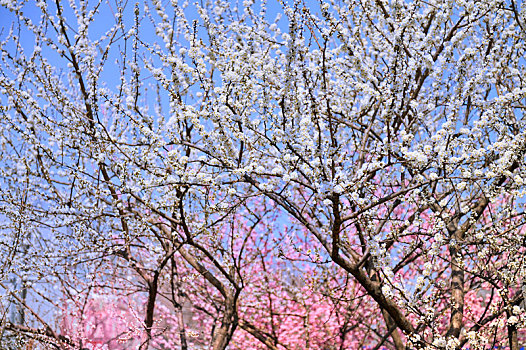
point(145, 148)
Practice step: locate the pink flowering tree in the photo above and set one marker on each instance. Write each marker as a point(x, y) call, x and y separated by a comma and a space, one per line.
point(283, 305)
point(292, 300)
point(104, 322)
